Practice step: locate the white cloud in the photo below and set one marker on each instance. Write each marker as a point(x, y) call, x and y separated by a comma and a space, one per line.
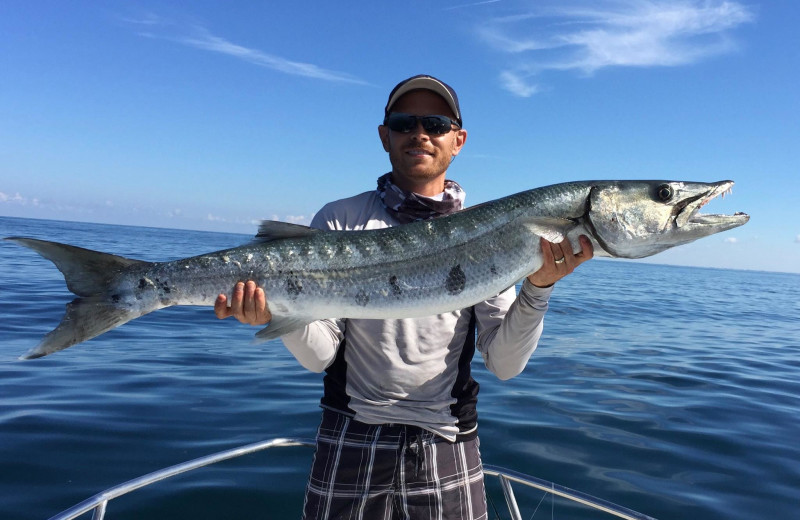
point(731, 240)
point(588, 36)
point(297, 219)
point(146, 19)
point(17, 199)
point(797, 239)
point(473, 4)
point(199, 37)
point(292, 219)
point(517, 85)
point(207, 41)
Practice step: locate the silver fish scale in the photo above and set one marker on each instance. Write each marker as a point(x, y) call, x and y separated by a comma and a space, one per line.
point(413, 270)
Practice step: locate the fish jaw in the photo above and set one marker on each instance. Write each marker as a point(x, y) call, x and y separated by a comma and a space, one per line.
point(690, 222)
point(636, 219)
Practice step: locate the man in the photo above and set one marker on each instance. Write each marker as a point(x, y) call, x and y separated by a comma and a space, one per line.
point(398, 437)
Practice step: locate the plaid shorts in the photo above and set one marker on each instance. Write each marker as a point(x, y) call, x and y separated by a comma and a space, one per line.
point(383, 472)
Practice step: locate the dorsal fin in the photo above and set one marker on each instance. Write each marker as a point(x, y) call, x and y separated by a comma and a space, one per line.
point(270, 230)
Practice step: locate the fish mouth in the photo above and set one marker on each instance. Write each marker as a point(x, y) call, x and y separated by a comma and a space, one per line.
point(688, 211)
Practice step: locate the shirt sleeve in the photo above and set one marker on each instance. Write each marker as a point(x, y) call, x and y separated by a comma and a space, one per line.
point(509, 328)
point(315, 345)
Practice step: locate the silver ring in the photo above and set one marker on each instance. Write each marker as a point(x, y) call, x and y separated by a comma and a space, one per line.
point(560, 260)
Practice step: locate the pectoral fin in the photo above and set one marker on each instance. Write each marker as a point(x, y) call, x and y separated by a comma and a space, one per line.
point(553, 229)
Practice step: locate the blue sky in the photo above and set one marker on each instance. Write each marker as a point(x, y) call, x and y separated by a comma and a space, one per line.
point(214, 115)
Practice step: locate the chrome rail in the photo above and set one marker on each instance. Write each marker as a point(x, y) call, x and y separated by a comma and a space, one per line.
point(98, 503)
point(507, 476)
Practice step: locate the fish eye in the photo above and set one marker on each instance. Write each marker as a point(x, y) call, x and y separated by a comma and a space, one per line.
point(664, 192)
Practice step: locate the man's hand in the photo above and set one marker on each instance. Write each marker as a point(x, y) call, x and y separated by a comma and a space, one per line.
point(248, 305)
point(558, 261)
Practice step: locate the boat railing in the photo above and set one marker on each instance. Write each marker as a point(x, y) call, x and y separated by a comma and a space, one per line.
point(98, 503)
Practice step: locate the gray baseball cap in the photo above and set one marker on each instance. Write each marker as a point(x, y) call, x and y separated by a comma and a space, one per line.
point(426, 82)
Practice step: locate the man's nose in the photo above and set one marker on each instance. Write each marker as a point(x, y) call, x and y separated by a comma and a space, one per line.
point(419, 131)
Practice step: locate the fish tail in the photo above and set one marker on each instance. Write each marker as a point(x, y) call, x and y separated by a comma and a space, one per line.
point(89, 274)
point(84, 319)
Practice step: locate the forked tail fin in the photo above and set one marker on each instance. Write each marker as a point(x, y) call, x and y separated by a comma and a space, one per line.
point(84, 319)
point(89, 274)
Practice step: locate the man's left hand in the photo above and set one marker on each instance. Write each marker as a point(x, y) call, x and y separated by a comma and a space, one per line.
point(558, 261)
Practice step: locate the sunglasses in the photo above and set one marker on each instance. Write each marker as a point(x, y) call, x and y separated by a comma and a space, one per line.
point(405, 123)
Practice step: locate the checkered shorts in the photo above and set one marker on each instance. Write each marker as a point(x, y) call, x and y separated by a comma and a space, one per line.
point(383, 472)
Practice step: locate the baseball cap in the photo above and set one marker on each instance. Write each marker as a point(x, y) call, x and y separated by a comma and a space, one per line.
point(423, 81)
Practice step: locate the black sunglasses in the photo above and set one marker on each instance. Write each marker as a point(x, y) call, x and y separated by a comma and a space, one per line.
point(405, 123)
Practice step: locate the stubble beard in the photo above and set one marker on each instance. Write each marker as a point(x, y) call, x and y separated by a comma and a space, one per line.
point(416, 173)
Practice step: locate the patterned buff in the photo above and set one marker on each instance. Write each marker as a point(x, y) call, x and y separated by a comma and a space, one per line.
point(407, 206)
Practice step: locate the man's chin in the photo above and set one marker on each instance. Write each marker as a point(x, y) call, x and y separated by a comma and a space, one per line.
point(421, 174)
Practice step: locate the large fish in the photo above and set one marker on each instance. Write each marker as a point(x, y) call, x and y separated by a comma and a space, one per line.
point(418, 269)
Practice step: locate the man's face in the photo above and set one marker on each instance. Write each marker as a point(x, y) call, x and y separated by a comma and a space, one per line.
point(419, 159)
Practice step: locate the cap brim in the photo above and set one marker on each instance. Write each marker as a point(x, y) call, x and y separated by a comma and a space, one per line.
point(426, 83)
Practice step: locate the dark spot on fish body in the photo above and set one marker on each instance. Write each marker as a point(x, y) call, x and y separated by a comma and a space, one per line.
point(456, 280)
point(163, 286)
point(343, 250)
point(142, 283)
point(115, 298)
point(294, 286)
point(362, 298)
point(397, 291)
point(493, 269)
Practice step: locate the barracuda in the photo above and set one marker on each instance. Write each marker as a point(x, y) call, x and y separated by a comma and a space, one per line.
point(407, 271)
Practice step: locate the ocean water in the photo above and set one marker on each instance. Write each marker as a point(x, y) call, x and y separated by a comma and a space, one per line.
point(673, 391)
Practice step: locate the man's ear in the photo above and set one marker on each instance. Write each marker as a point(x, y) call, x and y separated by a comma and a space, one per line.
point(383, 132)
point(459, 139)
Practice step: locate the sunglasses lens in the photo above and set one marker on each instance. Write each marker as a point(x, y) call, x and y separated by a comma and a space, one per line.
point(402, 123)
point(405, 123)
point(436, 124)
